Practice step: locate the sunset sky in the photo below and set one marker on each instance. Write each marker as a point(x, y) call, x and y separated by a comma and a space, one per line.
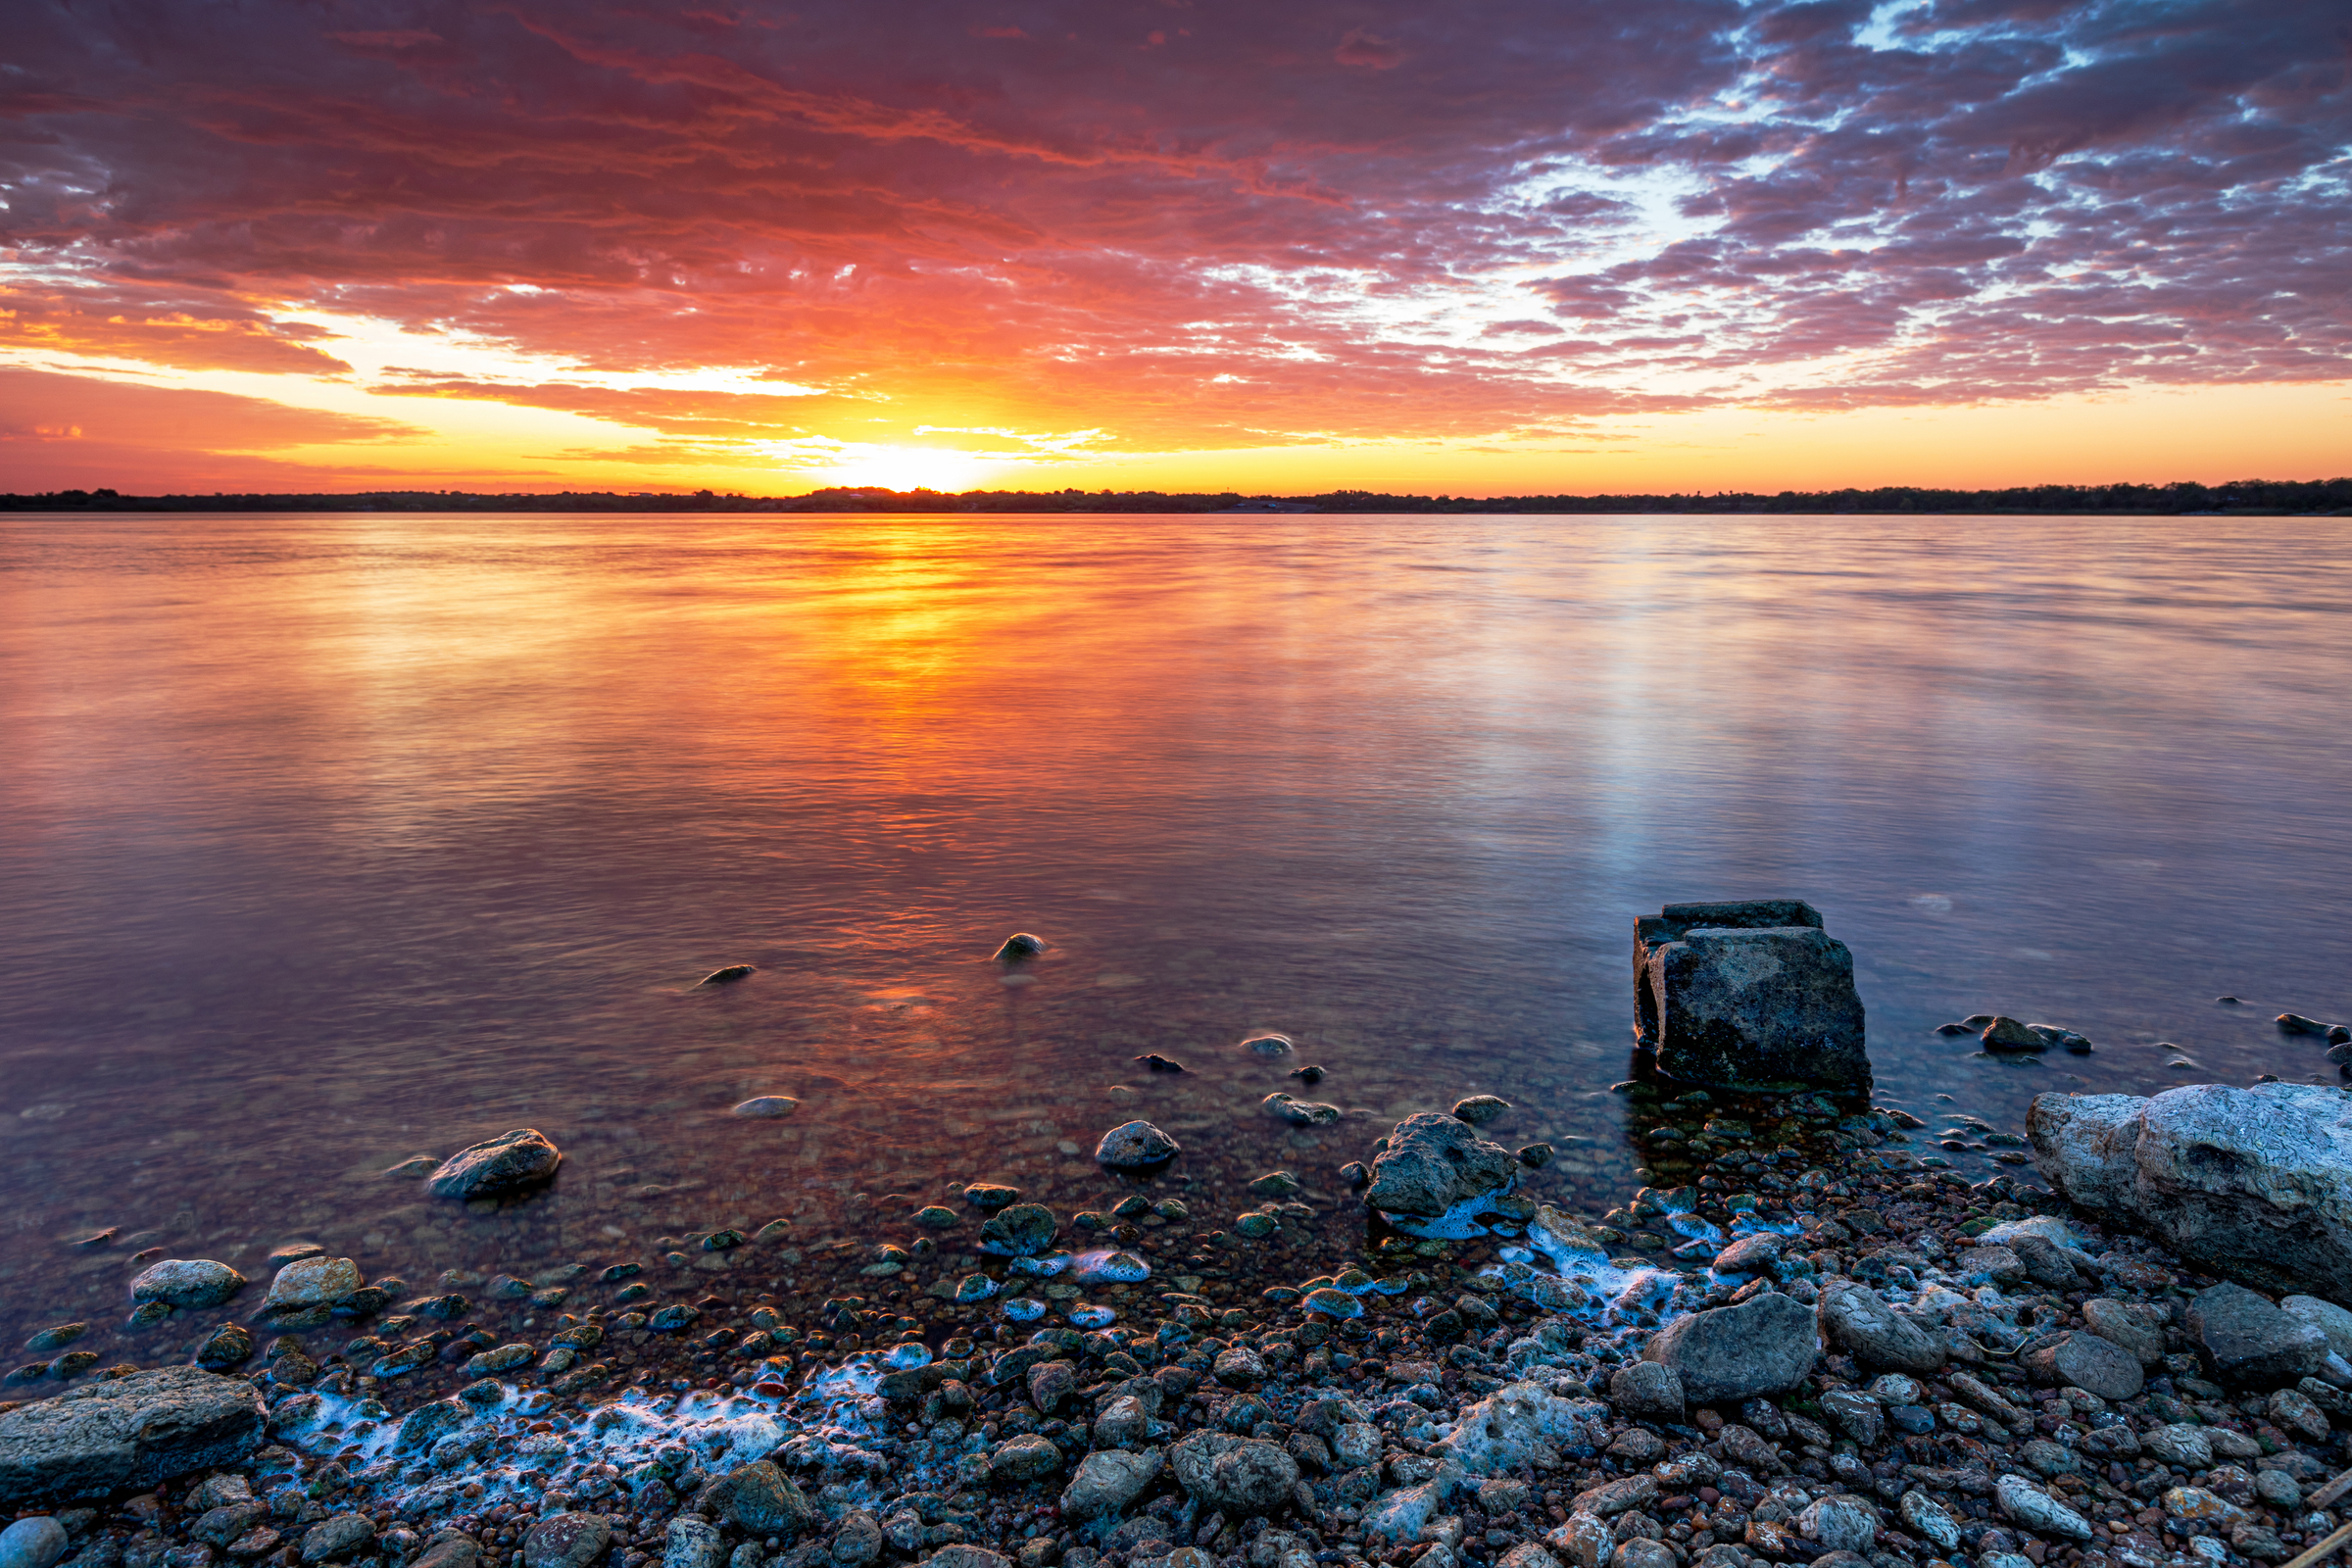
point(1532, 245)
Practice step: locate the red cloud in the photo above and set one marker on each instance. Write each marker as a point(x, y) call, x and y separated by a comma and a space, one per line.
point(1362, 48)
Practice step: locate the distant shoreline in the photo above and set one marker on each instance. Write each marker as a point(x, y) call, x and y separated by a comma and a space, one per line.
point(2245, 498)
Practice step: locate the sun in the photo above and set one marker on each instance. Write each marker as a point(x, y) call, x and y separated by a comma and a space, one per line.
point(906, 468)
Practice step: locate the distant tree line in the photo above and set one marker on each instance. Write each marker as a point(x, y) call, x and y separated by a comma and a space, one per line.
point(2250, 497)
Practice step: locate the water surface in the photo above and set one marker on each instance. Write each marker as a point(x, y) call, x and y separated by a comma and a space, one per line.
point(328, 841)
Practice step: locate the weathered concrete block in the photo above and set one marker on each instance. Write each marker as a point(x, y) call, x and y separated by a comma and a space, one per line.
point(1747, 994)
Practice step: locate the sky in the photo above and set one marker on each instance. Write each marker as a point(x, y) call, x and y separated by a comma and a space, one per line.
point(1525, 246)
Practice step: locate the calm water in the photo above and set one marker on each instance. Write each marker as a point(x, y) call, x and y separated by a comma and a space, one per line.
point(330, 841)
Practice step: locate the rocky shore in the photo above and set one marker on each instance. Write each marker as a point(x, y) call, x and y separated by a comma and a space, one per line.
point(1819, 1348)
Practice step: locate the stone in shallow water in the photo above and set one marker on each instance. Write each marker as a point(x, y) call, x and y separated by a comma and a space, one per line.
point(187, 1282)
point(513, 1159)
point(1480, 1109)
point(1753, 993)
point(1018, 947)
point(728, 975)
point(1436, 1165)
point(767, 1106)
point(311, 1282)
point(1268, 1045)
point(1022, 1231)
point(1135, 1144)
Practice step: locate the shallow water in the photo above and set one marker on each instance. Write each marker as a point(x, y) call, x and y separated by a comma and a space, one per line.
point(331, 840)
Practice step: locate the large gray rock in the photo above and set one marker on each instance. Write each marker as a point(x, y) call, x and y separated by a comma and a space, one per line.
point(33, 1543)
point(187, 1282)
point(1435, 1172)
point(1853, 1318)
point(1750, 994)
point(566, 1540)
point(522, 1157)
point(2255, 1183)
point(759, 1500)
point(2243, 1338)
point(131, 1432)
point(311, 1282)
point(1136, 1146)
point(1765, 1346)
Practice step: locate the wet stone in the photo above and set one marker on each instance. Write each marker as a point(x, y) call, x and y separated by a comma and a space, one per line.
point(516, 1159)
point(186, 1282)
point(1022, 1230)
point(1135, 1146)
point(567, 1541)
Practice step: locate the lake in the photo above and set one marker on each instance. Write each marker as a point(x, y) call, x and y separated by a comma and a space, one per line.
point(330, 841)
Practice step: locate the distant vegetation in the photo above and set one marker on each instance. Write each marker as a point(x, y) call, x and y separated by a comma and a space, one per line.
point(2248, 497)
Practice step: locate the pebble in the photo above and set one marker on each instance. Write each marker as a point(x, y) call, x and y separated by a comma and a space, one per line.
point(768, 1106)
point(1136, 1146)
point(1268, 1045)
point(1018, 947)
point(515, 1160)
point(186, 1283)
point(1480, 1109)
point(728, 975)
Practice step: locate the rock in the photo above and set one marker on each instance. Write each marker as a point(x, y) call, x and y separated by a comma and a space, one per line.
point(311, 1282)
point(1239, 1474)
point(1029, 1457)
point(1527, 1555)
point(566, 1540)
point(56, 1337)
point(2294, 1023)
point(1135, 1146)
point(33, 1543)
point(1853, 1318)
point(1840, 1523)
point(1404, 1513)
point(226, 1346)
point(759, 1500)
point(2118, 1326)
point(2298, 1415)
point(2331, 1320)
point(1759, 1254)
point(1584, 1541)
point(1049, 1384)
point(963, 1554)
point(1750, 994)
point(1613, 1498)
point(988, 1196)
point(1534, 1157)
point(1108, 1480)
point(2197, 1505)
point(508, 1163)
point(765, 1106)
point(690, 1542)
point(1019, 945)
point(1764, 1346)
point(728, 975)
point(1642, 1553)
point(1356, 1445)
point(2242, 1338)
point(1517, 1425)
point(2027, 1504)
point(131, 1432)
point(1239, 1366)
point(1925, 1518)
point(2007, 1034)
point(1857, 1416)
point(336, 1538)
point(858, 1541)
point(1023, 1230)
point(1647, 1390)
point(1480, 1109)
point(2254, 1183)
point(2181, 1444)
point(1268, 1045)
point(1298, 1113)
point(2089, 1361)
point(1435, 1172)
point(192, 1282)
point(2044, 1262)
point(452, 1549)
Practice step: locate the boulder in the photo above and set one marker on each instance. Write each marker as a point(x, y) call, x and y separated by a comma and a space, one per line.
point(193, 1282)
point(1853, 1318)
point(1136, 1146)
point(516, 1159)
point(2255, 1183)
point(2242, 1339)
point(128, 1433)
point(1748, 995)
point(1763, 1346)
point(1437, 1173)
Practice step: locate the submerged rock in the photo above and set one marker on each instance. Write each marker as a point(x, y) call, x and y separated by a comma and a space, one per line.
point(1480, 1109)
point(2255, 1183)
point(131, 1432)
point(1135, 1144)
point(521, 1157)
point(311, 1282)
point(767, 1106)
point(1019, 945)
point(1268, 1045)
point(1436, 1169)
point(187, 1282)
point(1749, 994)
point(728, 975)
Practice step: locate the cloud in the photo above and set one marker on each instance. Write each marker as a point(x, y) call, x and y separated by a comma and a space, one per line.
point(1559, 212)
